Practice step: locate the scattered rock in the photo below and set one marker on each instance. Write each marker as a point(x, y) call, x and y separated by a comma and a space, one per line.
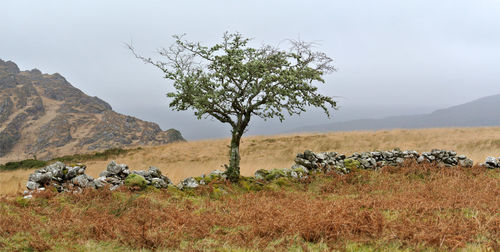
point(32, 185)
point(492, 163)
point(188, 183)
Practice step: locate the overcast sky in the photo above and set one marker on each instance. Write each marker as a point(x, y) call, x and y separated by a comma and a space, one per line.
point(393, 57)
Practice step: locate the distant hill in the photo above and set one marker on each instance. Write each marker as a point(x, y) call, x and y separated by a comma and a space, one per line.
point(481, 112)
point(44, 115)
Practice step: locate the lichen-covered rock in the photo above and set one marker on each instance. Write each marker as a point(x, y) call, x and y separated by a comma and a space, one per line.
point(73, 178)
point(261, 174)
point(334, 162)
point(188, 183)
point(60, 176)
point(298, 171)
point(57, 169)
point(492, 163)
point(40, 178)
point(32, 185)
point(99, 182)
point(465, 162)
point(114, 169)
point(83, 181)
point(275, 174)
point(72, 172)
point(217, 173)
point(159, 183)
point(351, 164)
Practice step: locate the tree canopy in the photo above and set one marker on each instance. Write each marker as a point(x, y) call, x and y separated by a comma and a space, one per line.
point(232, 82)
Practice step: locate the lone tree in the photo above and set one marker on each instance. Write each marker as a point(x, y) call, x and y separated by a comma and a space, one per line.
point(232, 82)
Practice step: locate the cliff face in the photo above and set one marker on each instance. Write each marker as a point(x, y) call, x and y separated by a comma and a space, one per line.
point(44, 115)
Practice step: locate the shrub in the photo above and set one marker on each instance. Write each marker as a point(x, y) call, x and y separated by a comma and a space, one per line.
point(93, 156)
point(24, 164)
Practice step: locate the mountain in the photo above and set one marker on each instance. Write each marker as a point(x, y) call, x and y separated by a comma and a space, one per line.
point(44, 115)
point(481, 112)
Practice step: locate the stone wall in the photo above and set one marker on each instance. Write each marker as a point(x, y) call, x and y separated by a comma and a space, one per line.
point(333, 161)
point(73, 178)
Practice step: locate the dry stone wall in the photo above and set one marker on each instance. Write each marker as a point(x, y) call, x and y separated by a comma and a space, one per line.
point(333, 161)
point(73, 178)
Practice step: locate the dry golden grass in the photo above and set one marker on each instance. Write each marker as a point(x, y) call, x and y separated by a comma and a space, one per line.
point(180, 160)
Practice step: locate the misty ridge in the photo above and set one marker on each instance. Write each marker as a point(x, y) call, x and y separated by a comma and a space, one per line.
point(477, 113)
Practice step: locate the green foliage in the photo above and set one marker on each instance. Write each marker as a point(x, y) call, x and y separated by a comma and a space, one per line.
point(284, 182)
point(217, 193)
point(22, 202)
point(248, 184)
point(261, 173)
point(113, 152)
point(274, 174)
point(231, 82)
point(135, 180)
point(76, 158)
point(24, 164)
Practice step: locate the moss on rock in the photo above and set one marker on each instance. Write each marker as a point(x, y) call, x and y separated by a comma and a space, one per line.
point(351, 164)
point(136, 180)
point(274, 174)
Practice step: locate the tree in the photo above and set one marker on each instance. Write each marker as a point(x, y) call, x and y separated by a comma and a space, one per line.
point(232, 82)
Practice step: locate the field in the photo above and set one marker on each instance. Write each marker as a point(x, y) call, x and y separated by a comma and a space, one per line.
point(406, 208)
point(181, 160)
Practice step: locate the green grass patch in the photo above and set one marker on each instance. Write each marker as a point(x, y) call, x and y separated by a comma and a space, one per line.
point(68, 159)
point(24, 164)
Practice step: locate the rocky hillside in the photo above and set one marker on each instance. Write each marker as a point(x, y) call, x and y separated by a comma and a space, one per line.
point(44, 115)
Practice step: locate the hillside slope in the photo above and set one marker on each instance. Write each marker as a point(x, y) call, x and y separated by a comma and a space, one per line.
point(480, 112)
point(44, 115)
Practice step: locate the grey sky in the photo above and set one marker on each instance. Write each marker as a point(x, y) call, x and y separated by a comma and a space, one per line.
point(393, 57)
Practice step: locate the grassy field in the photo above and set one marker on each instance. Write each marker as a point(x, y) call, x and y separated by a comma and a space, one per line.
point(414, 207)
point(407, 208)
point(180, 160)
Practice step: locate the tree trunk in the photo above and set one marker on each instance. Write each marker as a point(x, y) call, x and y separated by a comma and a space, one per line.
point(233, 171)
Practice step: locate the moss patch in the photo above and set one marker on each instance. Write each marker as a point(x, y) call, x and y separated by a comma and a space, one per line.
point(135, 180)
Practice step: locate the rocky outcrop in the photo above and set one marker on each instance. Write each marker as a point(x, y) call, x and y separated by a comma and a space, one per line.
point(12, 133)
point(44, 115)
point(115, 129)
